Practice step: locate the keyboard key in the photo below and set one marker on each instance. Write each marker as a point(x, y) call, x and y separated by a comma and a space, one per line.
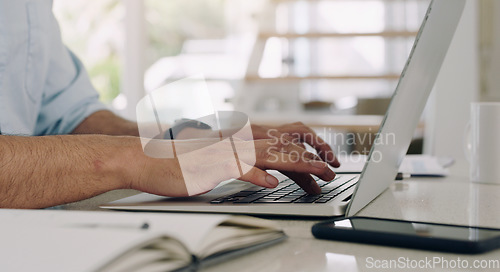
point(308, 199)
point(249, 199)
point(330, 187)
point(253, 189)
point(322, 183)
point(288, 192)
point(289, 198)
point(281, 193)
point(242, 194)
point(217, 201)
point(275, 201)
point(270, 197)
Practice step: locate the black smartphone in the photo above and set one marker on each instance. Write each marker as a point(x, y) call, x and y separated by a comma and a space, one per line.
point(408, 234)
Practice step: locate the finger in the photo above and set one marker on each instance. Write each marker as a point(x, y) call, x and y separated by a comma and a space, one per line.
point(297, 152)
point(258, 177)
point(284, 138)
point(314, 160)
point(285, 147)
point(290, 157)
point(300, 149)
point(293, 163)
point(307, 135)
point(305, 181)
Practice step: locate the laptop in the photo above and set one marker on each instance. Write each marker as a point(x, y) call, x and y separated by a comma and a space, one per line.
point(347, 194)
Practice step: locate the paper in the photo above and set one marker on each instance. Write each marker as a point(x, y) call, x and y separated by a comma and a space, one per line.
point(415, 165)
point(51, 240)
point(189, 229)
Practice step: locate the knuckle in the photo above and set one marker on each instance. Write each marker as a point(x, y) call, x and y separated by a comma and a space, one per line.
point(271, 148)
point(277, 146)
point(289, 139)
point(252, 175)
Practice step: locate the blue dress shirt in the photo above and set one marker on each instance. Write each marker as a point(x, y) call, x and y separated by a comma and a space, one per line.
point(44, 88)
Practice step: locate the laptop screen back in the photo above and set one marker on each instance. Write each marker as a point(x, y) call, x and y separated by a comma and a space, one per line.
point(408, 101)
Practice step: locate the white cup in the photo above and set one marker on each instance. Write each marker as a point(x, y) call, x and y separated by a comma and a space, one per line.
point(485, 142)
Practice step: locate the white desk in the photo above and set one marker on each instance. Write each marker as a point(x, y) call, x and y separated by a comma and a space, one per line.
point(448, 200)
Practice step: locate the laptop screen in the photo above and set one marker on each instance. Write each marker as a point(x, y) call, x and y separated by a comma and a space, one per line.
point(408, 101)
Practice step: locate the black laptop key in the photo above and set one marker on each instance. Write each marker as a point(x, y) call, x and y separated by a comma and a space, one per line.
point(253, 189)
point(297, 194)
point(217, 201)
point(242, 194)
point(271, 201)
point(287, 192)
point(249, 199)
point(322, 183)
point(289, 198)
point(281, 193)
point(308, 199)
point(270, 197)
point(273, 196)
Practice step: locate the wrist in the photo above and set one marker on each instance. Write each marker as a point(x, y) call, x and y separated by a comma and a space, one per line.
point(129, 161)
point(157, 175)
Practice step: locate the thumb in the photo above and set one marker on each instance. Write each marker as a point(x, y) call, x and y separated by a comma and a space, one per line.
point(258, 177)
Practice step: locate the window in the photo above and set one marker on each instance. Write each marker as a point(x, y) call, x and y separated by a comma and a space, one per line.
point(339, 48)
point(332, 49)
point(94, 31)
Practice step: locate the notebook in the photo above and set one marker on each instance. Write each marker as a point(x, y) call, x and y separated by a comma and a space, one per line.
point(347, 194)
point(38, 240)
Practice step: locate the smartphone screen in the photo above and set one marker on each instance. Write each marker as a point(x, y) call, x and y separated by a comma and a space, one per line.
point(462, 233)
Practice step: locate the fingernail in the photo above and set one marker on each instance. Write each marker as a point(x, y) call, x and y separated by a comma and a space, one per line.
point(336, 163)
point(272, 180)
point(318, 164)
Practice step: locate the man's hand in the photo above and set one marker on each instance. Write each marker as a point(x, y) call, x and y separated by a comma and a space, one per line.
point(299, 134)
point(46, 171)
point(200, 165)
point(289, 138)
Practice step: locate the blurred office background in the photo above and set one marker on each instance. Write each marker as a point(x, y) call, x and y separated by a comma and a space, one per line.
point(282, 59)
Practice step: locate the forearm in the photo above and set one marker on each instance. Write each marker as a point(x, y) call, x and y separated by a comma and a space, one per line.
point(38, 172)
point(107, 123)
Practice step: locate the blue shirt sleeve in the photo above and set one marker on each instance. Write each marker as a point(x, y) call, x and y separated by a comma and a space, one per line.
point(63, 109)
point(44, 88)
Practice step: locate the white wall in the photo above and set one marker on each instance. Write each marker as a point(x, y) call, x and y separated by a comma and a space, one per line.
point(456, 87)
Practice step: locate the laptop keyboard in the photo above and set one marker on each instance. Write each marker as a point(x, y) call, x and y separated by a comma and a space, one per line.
point(289, 192)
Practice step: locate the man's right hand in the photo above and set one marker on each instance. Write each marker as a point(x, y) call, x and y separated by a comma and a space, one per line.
point(200, 165)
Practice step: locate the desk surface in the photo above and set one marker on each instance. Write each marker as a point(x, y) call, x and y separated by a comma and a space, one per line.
point(443, 200)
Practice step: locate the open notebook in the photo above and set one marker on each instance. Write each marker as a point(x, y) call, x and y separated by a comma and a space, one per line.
point(103, 241)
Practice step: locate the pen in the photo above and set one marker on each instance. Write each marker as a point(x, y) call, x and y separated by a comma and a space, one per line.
point(143, 226)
